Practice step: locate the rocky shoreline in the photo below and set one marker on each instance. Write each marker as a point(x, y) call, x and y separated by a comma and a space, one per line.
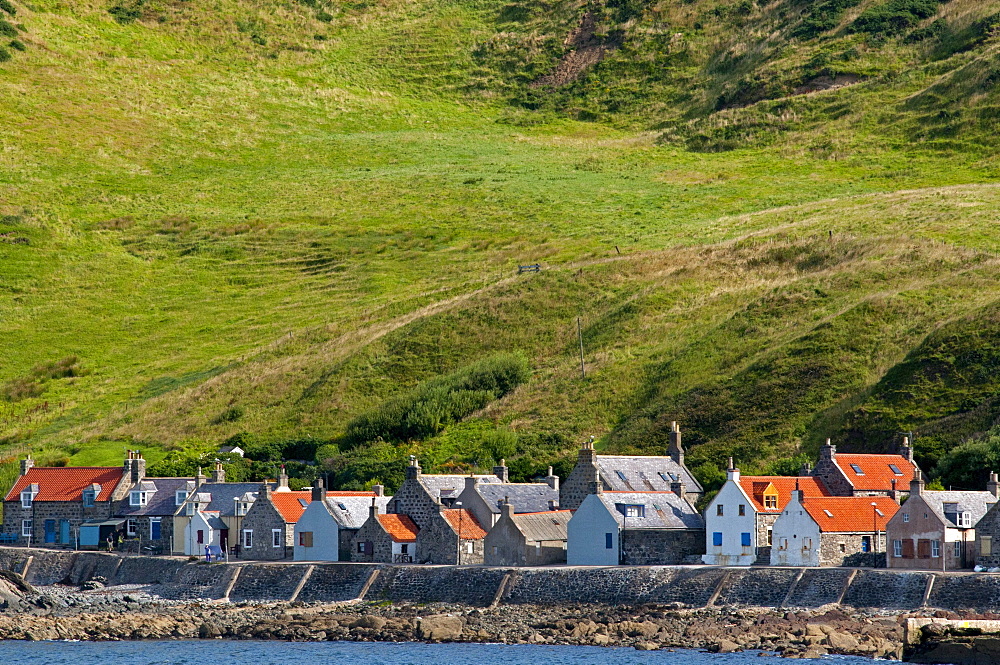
point(93, 612)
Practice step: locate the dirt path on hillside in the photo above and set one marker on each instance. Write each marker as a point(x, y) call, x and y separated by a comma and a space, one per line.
point(587, 51)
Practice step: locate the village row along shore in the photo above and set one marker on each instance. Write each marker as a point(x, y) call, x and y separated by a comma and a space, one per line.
point(95, 613)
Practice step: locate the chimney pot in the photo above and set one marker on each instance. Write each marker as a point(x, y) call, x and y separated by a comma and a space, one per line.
point(379, 490)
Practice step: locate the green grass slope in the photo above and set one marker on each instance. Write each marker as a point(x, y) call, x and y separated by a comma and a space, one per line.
point(266, 219)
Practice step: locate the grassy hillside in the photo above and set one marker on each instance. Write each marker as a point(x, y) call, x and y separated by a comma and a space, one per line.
point(269, 218)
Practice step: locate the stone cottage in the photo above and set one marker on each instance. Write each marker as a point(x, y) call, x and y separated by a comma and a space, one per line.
point(228, 504)
point(268, 528)
point(832, 531)
point(422, 495)
point(149, 507)
point(48, 505)
point(635, 528)
point(854, 474)
point(326, 529)
point(385, 538)
point(628, 473)
point(527, 539)
point(739, 519)
point(483, 499)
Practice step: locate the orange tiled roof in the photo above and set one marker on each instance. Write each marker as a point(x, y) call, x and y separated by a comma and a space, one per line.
point(289, 504)
point(876, 474)
point(67, 483)
point(462, 518)
point(754, 486)
point(399, 527)
point(850, 513)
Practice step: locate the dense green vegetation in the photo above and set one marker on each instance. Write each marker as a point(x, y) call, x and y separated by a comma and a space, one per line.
point(296, 226)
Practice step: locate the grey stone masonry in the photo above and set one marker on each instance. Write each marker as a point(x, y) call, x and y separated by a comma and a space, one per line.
point(661, 547)
point(887, 590)
point(437, 542)
point(818, 587)
point(334, 583)
point(966, 592)
point(470, 586)
point(757, 587)
point(263, 517)
point(266, 582)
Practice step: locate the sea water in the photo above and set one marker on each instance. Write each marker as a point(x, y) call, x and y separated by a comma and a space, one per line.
point(224, 652)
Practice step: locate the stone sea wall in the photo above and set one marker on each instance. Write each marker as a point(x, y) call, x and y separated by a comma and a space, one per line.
point(479, 586)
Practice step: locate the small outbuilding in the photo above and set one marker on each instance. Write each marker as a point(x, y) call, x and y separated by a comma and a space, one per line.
point(527, 539)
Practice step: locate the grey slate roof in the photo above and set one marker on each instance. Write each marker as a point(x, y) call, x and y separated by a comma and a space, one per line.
point(664, 510)
point(351, 512)
point(449, 486)
point(550, 525)
point(626, 473)
point(161, 502)
point(524, 497)
point(222, 495)
point(976, 503)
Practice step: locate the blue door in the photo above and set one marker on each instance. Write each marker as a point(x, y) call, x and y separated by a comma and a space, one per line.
point(154, 529)
point(50, 531)
point(64, 532)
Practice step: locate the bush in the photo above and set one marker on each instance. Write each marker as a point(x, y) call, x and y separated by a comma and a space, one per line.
point(823, 17)
point(6, 6)
point(968, 466)
point(125, 14)
point(16, 390)
point(324, 16)
point(17, 45)
point(5, 55)
point(438, 402)
point(230, 415)
point(59, 369)
point(894, 17)
point(6, 29)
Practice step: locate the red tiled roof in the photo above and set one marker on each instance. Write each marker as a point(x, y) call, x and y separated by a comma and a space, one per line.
point(850, 513)
point(347, 493)
point(289, 506)
point(876, 473)
point(67, 483)
point(460, 518)
point(755, 486)
point(399, 527)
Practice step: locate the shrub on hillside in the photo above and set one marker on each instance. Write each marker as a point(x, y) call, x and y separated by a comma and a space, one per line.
point(16, 390)
point(894, 17)
point(17, 45)
point(59, 369)
point(438, 402)
point(7, 29)
point(968, 466)
point(126, 13)
point(6, 6)
point(5, 54)
point(823, 17)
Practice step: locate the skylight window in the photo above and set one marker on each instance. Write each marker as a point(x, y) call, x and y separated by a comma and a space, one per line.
point(880, 513)
point(664, 476)
point(828, 513)
point(621, 475)
point(857, 469)
point(303, 503)
point(342, 506)
point(895, 469)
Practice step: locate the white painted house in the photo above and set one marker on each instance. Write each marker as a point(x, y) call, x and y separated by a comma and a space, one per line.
point(739, 519)
point(325, 529)
point(204, 528)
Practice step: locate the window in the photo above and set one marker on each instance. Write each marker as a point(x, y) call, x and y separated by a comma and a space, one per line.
point(154, 528)
point(635, 511)
point(957, 550)
point(608, 541)
point(827, 513)
point(742, 510)
point(906, 517)
point(745, 539)
point(275, 537)
point(361, 548)
point(192, 508)
point(807, 544)
point(137, 498)
point(179, 497)
point(89, 498)
point(131, 528)
point(305, 538)
point(720, 510)
point(717, 539)
point(897, 548)
point(784, 544)
point(200, 539)
point(342, 506)
point(303, 503)
point(468, 547)
point(895, 470)
point(771, 501)
point(405, 548)
point(843, 547)
point(770, 536)
point(26, 498)
point(26, 526)
point(857, 469)
point(986, 545)
point(622, 476)
point(935, 549)
point(248, 538)
point(964, 520)
point(866, 544)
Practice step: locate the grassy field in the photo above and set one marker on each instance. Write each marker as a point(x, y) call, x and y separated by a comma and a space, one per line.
point(269, 218)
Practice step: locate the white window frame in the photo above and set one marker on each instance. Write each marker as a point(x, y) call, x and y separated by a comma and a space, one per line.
point(180, 496)
point(276, 538)
point(27, 498)
point(26, 528)
point(138, 498)
point(935, 549)
point(89, 498)
point(897, 548)
point(906, 517)
point(957, 549)
point(131, 526)
point(248, 538)
point(192, 508)
point(157, 520)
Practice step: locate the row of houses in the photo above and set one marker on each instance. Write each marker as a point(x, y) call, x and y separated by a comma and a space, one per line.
point(851, 509)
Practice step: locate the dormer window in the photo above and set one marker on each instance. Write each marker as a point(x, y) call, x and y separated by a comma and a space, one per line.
point(964, 520)
point(632, 510)
point(179, 497)
point(89, 498)
point(27, 498)
point(771, 501)
point(138, 498)
point(192, 507)
point(857, 470)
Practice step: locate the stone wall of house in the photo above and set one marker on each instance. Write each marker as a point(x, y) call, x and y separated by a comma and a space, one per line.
point(371, 532)
point(73, 511)
point(580, 482)
point(988, 525)
point(262, 518)
point(661, 547)
point(412, 499)
point(438, 543)
point(479, 585)
point(844, 549)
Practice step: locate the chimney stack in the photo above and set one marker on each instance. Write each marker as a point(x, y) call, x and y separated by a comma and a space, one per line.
point(906, 450)
point(553, 504)
point(135, 466)
point(675, 448)
point(27, 463)
point(828, 451)
point(266, 490)
point(413, 471)
point(506, 510)
point(379, 490)
point(732, 473)
point(500, 471)
point(470, 482)
point(373, 509)
point(993, 486)
point(552, 480)
point(917, 484)
point(282, 480)
point(805, 469)
point(199, 479)
point(677, 487)
point(319, 491)
point(892, 493)
point(219, 473)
